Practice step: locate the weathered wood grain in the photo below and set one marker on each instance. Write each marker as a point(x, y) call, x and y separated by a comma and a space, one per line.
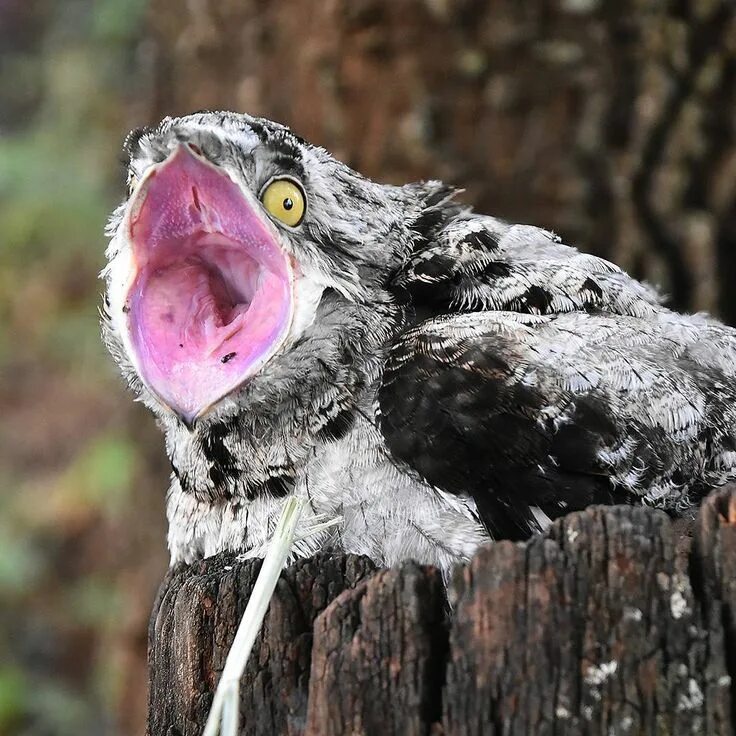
point(612, 623)
point(194, 625)
point(594, 630)
point(379, 656)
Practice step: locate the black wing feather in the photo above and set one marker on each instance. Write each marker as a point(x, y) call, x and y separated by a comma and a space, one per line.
point(544, 379)
point(461, 420)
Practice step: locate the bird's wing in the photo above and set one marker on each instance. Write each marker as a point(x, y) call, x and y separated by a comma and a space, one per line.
point(538, 415)
point(474, 262)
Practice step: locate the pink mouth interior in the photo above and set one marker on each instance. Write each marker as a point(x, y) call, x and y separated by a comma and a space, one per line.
point(212, 299)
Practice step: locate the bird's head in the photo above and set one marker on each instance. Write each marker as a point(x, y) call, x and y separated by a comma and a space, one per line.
point(244, 256)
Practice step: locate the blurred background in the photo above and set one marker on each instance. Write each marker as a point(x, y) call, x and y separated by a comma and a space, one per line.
point(611, 122)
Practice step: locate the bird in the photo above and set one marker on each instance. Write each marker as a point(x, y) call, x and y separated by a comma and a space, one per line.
point(431, 378)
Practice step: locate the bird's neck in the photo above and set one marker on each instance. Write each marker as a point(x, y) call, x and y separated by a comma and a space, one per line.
point(284, 416)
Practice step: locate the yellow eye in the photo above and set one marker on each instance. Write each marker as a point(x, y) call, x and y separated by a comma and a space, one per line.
point(284, 200)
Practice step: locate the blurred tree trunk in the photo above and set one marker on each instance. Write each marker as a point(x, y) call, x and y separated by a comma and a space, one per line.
point(611, 122)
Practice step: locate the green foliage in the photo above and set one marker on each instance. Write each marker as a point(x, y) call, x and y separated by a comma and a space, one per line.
point(102, 475)
point(115, 21)
point(66, 94)
point(13, 689)
point(21, 562)
point(44, 193)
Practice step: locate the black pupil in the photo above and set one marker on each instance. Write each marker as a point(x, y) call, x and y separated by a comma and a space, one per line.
point(288, 204)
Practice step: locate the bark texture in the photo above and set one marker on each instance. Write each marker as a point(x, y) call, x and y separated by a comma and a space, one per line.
point(193, 626)
point(612, 623)
point(611, 122)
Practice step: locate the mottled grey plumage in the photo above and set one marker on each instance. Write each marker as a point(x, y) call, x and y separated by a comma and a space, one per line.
point(447, 376)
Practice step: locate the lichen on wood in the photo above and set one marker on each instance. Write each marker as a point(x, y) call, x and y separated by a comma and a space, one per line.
point(611, 623)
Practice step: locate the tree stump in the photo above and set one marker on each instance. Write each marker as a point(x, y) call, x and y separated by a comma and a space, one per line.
point(611, 623)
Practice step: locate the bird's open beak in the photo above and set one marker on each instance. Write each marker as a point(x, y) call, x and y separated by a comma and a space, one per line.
point(210, 296)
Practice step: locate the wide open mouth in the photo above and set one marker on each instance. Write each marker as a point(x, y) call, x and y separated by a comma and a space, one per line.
point(211, 300)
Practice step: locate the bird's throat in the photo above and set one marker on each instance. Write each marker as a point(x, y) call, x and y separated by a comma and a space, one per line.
point(211, 299)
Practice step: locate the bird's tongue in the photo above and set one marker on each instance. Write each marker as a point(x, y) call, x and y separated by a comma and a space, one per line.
point(212, 300)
